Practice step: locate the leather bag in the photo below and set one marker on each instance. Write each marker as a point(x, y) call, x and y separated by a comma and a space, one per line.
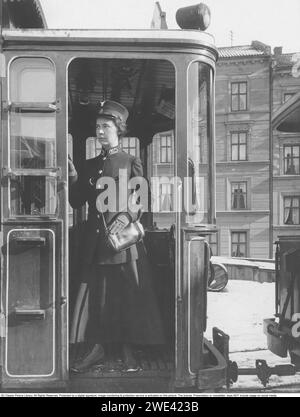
point(129, 236)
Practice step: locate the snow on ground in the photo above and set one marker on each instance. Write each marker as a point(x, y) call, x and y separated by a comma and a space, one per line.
point(239, 311)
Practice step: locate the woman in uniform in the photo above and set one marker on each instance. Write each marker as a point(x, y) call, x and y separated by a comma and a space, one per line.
point(122, 308)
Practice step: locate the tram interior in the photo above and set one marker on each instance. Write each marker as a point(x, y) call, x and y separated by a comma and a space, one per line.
point(147, 89)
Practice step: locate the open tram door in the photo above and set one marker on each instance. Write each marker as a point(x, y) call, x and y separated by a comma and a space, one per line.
point(166, 80)
point(34, 224)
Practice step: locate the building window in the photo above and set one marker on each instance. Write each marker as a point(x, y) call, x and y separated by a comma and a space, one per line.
point(213, 243)
point(239, 146)
point(238, 96)
point(292, 210)
point(238, 195)
point(130, 145)
point(292, 160)
point(239, 244)
point(165, 197)
point(287, 96)
point(165, 149)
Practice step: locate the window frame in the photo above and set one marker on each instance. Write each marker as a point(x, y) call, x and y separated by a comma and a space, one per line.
point(167, 146)
point(285, 216)
point(246, 243)
point(245, 194)
point(238, 94)
point(127, 149)
point(162, 197)
point(287, 93)
point(238, 133)
point(294, 145)
point(52, 173)
point(216, 243)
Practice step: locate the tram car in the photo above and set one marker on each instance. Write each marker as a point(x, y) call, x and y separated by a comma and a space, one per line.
point(51, 82)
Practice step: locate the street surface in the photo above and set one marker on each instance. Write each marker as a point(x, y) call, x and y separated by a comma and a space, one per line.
point(239, 311)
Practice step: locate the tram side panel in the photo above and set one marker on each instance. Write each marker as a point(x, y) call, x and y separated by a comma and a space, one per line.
point(30, 299)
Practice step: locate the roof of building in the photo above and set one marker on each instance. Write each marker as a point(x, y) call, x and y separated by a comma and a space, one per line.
point(287, 117)
point(256, 49)
point(284, 60)
point(26, 13)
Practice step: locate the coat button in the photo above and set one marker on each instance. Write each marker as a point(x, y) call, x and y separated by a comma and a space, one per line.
point(98, 216)
point(98, 231)
point(100, 172)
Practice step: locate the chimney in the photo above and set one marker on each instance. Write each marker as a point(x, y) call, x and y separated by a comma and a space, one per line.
point(277, 51)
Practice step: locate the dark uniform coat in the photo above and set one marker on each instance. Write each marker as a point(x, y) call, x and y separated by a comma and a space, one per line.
point(122, 306)
point(84, 190)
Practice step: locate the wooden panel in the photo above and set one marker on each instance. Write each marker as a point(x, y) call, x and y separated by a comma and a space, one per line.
point(196, 302)
point(30, 303)
point(191, 308)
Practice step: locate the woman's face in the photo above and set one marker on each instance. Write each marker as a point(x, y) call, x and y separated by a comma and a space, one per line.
point(107, 132)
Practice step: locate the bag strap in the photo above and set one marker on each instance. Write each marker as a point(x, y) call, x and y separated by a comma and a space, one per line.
point(104, 222)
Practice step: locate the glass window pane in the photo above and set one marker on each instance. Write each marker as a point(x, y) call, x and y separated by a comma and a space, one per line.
point(32, 196)
point(287, 151)
point(235, 153)
point(32, 143)
point(243, 154)
point(235, 103)
point(296, 216)
point(242, 251)
point(243, 237)
point(243, 103)
point(243, 88)
point(235, 237)
point(296, 150)
point(32, 80)
point(243, 137)
point(234, 88)
point(243, 186)
point(287, 202)
point(234, 138)
point(195, 194)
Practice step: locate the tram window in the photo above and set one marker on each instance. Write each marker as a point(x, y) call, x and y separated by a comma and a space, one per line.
point(32, 80)
point(32, 137)
point(32, 196)
point(199, 106)
point(32, 141)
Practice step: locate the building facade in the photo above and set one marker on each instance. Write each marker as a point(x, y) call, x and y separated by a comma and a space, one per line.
point(286, 150)
point(243, 149)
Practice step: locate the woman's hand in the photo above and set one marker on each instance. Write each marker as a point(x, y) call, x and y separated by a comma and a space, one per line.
point(119, 224)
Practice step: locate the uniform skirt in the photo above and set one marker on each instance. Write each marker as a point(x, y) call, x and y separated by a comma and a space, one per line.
point(117, 305)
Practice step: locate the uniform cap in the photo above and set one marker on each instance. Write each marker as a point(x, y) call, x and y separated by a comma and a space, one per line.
point(112, 110)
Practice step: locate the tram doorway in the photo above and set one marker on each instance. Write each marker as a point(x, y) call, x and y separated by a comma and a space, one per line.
point(147, 89)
